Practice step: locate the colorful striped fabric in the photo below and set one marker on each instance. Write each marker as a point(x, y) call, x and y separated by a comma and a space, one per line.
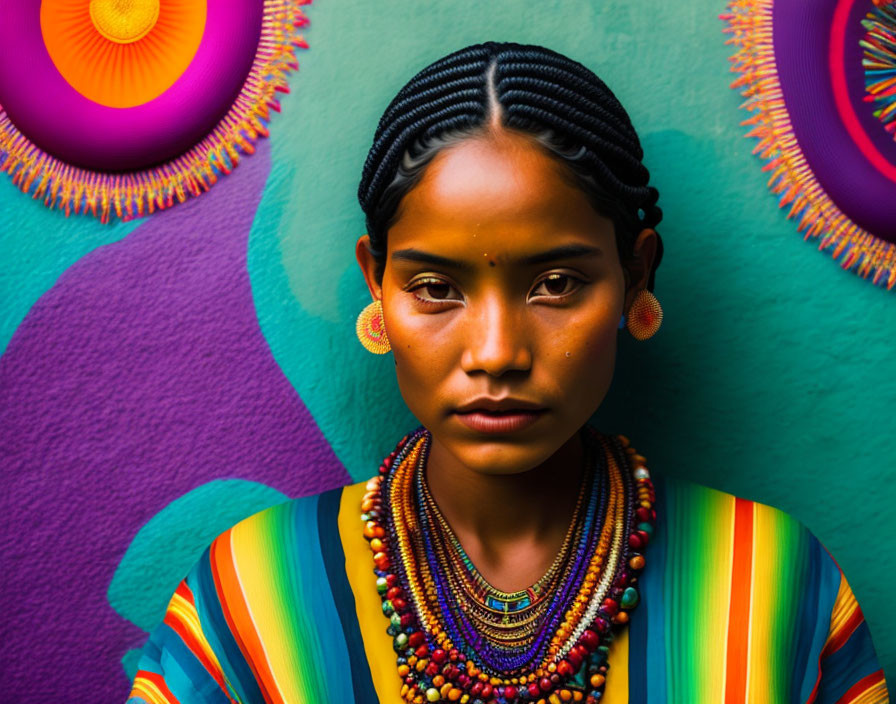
point(739, 603)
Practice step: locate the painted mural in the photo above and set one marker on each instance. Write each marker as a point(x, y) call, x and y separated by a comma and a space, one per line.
point(166, 375)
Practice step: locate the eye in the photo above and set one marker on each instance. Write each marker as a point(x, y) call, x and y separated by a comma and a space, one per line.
point(433, 290)
point(556, 286)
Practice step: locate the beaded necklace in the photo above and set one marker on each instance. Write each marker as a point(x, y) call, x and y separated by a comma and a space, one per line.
point(505, 642)
point(459, 639)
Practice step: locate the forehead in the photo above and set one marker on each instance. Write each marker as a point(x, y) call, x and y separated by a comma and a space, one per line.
point(499, 191)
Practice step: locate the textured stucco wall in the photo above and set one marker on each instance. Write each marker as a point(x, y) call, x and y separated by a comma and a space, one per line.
point(163, 378)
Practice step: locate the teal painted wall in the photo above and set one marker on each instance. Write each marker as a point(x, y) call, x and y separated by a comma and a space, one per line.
point(774, 375)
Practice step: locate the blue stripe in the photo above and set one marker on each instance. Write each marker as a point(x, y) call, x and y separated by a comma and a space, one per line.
point(823, 580)
point(652, 594)
point(217, 632)
point(843, 668)
point(334, 560)
point(318, 618)
point(185, 675)
point(637, 647)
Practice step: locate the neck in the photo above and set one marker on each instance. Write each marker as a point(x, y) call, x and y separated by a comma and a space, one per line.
point(500, 518)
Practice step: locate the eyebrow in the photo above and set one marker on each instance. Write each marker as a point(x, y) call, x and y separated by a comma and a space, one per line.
point(570, 251)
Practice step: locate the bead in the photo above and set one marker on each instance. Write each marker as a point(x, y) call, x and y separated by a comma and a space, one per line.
point(630, 598)
point(590, 639)
point(637, 562)
point(432, 695)
point(534, 690)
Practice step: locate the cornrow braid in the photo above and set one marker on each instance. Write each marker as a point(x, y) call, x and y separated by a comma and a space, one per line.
point(561, 103)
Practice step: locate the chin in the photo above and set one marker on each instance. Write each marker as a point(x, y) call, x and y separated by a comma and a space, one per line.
point(501, 455)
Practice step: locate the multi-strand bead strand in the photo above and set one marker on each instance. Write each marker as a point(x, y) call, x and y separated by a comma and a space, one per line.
point(493, 658)
point(575, 665)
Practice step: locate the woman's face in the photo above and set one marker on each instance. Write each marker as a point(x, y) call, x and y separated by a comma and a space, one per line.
point(502, 294)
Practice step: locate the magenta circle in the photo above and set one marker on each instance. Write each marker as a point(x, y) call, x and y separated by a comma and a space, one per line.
point(65, 124)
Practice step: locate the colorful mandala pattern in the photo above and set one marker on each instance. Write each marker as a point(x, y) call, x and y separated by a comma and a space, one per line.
point(830, 153)
point(122, 108)
point(880, 62)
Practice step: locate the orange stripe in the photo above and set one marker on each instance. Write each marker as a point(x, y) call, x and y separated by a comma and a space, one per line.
point(739, 609)
point(183, 590)
point(237, 615)
point(864, 686)
point(156, 679)
point(191, 640)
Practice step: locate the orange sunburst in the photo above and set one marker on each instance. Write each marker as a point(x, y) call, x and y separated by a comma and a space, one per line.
point(122, 53)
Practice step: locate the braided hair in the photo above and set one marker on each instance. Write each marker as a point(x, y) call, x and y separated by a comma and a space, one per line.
point(563, 105)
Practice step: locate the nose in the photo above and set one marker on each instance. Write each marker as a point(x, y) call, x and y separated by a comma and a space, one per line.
point(497, 340)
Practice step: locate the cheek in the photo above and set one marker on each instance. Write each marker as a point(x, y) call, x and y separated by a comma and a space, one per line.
point(582, 355)
point(422, 359)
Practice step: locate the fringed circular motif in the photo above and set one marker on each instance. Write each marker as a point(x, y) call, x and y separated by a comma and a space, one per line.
point(880, 62)
point(644, 316)
point(371, 330)
point(828, 150)
point(122, 108)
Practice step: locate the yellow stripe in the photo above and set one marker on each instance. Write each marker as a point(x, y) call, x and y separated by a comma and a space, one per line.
point(845, 606)
point(711, 604)
point(775, 539)
point(186, 613)
point(617, 675)
point(874, 695)
point(252, 567)
point(762, 606)
point(148, 691)
point(359, 570)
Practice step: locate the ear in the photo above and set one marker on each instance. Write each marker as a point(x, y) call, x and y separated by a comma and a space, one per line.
point(638, 268)
point(368, 266)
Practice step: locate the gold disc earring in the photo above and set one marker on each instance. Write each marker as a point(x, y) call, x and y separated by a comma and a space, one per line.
point(644, 316)
point(370, 329)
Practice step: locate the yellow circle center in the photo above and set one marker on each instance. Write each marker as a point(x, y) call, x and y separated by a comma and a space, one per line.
point(124, 21)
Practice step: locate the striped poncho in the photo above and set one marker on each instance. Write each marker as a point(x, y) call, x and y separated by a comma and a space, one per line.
point(739, 603)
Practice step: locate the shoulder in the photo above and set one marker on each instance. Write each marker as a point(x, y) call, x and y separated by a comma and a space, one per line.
point(686, 500)
point(293, 523)
point(740, 532)
point(763, 570)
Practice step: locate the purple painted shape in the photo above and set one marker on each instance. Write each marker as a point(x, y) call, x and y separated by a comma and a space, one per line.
point(65, 124)
point(139, 376)
point(801, 38)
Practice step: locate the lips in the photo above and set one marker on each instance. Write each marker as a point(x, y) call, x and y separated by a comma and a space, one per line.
point(505, 415)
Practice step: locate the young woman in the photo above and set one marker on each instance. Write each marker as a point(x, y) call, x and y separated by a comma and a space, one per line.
point(505, 551)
